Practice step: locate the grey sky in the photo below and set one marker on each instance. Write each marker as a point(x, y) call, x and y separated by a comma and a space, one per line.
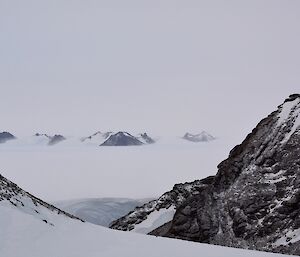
point(74, 67)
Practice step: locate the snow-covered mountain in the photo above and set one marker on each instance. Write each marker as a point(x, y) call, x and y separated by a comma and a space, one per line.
point(31, 227)
point(121, 139)
point(117, 139)
point(6, 136)
point(100, 211)
point(201, 137)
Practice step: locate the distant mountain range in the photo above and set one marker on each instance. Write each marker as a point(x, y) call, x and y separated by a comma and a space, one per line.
point(201, 137)
point(121, 138)
point(52, 140)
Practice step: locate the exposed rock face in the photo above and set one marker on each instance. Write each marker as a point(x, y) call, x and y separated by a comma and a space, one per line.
point(173, 198)
point(13, 195)
point(121, 139)
point(6, 136)
point(254, 200)
point(201, 137)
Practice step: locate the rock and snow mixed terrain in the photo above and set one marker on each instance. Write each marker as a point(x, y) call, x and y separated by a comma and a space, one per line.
point(201, 137)
point(97, 138)
point(160, 211)
point(31, 227)
point(253, 200)
point(121, 139)
point(47, 139)
point(6, 136)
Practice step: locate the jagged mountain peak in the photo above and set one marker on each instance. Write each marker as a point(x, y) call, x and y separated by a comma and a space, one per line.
point(6, 136)
point(121, 138)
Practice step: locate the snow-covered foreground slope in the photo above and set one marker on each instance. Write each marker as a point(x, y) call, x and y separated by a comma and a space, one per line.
point(100, 211)
point(96, 172)
point(23, 235)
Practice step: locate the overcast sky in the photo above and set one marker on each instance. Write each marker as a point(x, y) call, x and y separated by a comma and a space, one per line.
point(74, 67)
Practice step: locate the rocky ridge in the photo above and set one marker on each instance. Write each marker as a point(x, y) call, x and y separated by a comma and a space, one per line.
point(254, 199)
point(13, 196)
point(173, 198)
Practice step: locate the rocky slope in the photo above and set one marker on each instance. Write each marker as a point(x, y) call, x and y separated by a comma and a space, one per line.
point(121, 139)
point(254, 200)
point(168, 201)
point(201, 137)
point(13, 196)
point(6, 136)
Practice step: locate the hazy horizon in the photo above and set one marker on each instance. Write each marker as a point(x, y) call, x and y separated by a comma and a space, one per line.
point(164, 67)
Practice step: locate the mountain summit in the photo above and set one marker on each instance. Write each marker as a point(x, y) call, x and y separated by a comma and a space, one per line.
point(6, 136)
point(121, 139)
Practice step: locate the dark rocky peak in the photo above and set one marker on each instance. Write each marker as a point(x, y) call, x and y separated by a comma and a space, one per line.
point(121, 139)
point(201, 137)
point(146, 139)
point(6, 136)
point(56, 139)
point(25, 202)
point(173, 198)
point(254, 200)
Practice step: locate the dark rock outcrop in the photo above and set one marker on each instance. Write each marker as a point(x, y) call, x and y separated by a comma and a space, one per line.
point(201, 137)
point(121, 139)
point(175, 197)
point(6, 136)
point(254, 200)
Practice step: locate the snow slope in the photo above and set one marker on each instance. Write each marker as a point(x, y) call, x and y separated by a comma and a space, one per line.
point(23, 235)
